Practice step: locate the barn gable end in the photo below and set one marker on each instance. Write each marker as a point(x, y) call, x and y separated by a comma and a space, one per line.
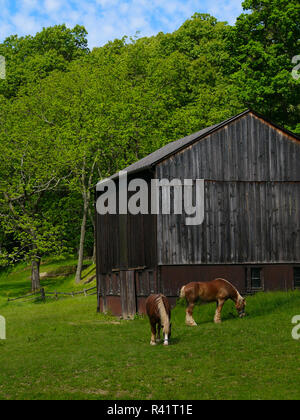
point(247, 149)
point(252, 198)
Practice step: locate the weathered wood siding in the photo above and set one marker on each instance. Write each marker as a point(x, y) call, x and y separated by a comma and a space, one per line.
point(252, 198)
point(125, 292)
point(126, 241)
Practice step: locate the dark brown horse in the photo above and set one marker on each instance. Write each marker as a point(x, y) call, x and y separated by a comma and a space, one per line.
point(219, 290)
point(159, 313)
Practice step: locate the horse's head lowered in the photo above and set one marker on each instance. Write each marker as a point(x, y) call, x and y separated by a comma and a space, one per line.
point(240, 306)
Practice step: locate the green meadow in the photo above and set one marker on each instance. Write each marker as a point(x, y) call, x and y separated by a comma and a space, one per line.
point(65, 350)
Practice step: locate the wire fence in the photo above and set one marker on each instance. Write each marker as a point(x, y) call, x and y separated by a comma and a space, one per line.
point(43, 295)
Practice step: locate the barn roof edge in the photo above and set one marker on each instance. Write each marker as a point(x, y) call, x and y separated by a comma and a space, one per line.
point(151, 160)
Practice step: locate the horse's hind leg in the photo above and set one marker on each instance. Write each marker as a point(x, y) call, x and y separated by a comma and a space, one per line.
point(217, 318)
point(153, 334)
point(158, 333)
point(189, 320)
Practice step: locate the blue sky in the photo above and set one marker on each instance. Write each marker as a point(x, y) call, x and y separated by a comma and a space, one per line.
point(108, 19)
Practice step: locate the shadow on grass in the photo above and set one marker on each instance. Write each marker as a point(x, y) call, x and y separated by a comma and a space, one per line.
point(15, 288)
point(174, 341)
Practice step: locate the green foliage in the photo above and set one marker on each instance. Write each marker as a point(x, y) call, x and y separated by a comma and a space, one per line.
point(27, 174)
point(30, 59)
point(262, 45)
point(69, 117)
point(32, 163)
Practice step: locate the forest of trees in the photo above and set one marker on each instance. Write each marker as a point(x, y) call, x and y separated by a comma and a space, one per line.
point(70, 116)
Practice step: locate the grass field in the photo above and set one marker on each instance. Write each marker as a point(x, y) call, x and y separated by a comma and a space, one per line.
point(65, 350)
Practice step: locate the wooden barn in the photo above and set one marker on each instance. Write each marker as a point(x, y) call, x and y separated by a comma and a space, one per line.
point(251, 229)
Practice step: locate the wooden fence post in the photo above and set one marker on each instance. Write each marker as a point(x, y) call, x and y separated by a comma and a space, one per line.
point(56, 294)
point(43, 296)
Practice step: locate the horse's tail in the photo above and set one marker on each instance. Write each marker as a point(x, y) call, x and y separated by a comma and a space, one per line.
point(165, 319)
point(182, 292)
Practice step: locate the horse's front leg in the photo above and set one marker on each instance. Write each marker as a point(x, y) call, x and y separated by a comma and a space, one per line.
point(220, 305)
point(153, 334)
point(189, 320)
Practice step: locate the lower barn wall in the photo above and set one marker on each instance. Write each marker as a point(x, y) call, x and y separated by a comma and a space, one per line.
point(174, 277)
point(273, 277)
point(124, 293)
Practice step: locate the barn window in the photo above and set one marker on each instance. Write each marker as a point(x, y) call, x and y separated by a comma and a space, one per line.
point(297, 278)
point(256, 282)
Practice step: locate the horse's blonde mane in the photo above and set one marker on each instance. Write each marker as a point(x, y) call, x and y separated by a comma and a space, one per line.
point(163, 315)
point(239, 297)
point(230, 284)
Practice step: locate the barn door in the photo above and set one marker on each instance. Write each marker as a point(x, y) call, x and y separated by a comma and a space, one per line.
point(128, 294)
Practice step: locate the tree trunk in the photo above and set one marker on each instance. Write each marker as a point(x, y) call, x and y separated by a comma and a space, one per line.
point(94, 252)
point(35, 275)
point(86, 194)
point(81, 245)
point(94, 228)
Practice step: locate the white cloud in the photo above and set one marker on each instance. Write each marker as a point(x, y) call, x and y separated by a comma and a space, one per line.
point(52, 5)
point(109, 19)
point(29, 25)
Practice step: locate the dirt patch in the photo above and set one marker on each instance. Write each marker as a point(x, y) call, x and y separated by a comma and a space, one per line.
point(87, 391)
point(62, 271)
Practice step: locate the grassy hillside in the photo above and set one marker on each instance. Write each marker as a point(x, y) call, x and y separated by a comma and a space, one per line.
point(65, 350)
point(55, 275)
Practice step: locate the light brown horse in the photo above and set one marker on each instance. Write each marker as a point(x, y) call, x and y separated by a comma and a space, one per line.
point(218, 290)
point(159, 313)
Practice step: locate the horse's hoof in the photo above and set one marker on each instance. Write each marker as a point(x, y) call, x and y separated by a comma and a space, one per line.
point(166, 343)
point(218, 321)
point(157, 340)
point(152, 343)
point(191, 324)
